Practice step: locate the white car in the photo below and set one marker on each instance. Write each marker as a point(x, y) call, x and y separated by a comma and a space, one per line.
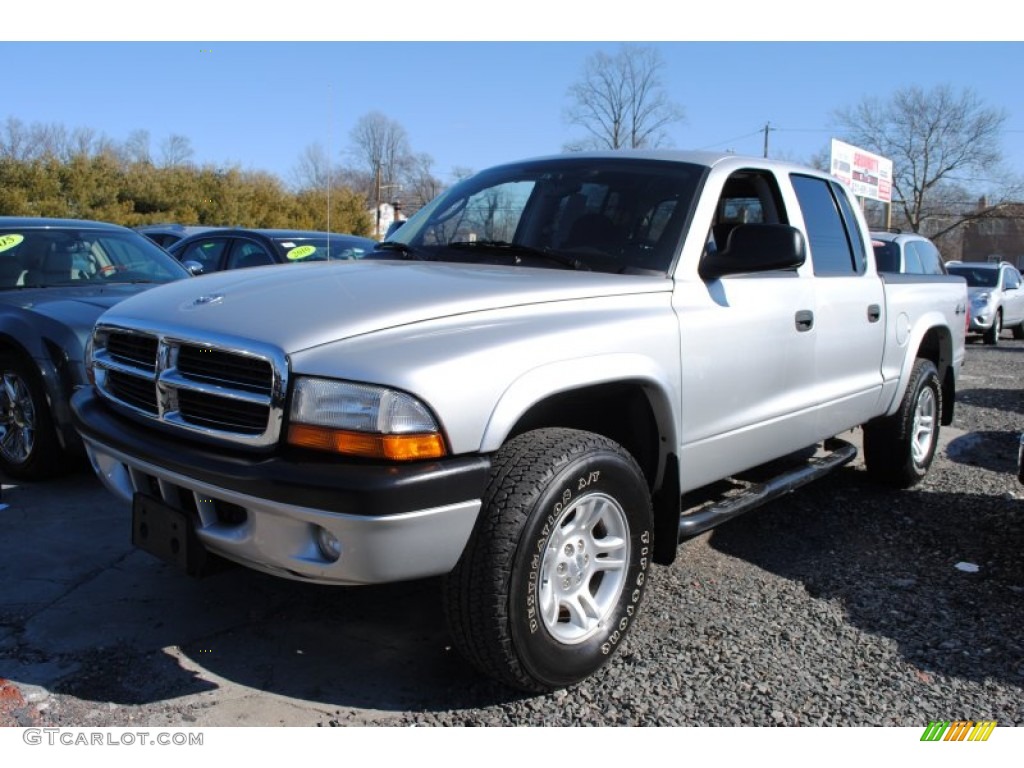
point(996, 295)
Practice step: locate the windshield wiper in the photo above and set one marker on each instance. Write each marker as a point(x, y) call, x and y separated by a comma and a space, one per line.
point(406, 251)
point(517, 250)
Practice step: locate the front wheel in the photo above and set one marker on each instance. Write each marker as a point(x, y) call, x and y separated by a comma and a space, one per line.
point(28, 442)
point(555, 570)
point(899, 449)
point(992, 334)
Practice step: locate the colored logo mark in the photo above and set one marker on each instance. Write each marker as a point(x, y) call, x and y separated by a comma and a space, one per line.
point(958, 730)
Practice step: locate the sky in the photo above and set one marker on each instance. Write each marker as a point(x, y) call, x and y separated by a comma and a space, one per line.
point(257, 95)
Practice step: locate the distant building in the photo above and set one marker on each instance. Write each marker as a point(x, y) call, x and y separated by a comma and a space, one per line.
point(997, 237)
point(383, 217)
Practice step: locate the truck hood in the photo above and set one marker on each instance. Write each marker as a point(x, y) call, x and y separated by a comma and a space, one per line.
point(302, 306)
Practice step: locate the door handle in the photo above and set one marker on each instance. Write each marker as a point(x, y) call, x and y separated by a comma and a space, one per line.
point(874, 313)
point(804, 320)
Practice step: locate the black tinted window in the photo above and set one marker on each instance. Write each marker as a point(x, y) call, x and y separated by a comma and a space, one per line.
point(887, 256)
point(850, 221)
point(206, 252)
point(830, 243)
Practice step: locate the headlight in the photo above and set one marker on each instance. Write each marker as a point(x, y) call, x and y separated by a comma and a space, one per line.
point(362, 420)
point(982, 298)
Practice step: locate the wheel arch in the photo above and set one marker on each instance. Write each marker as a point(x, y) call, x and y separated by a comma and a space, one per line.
point(933, 342)
point(49, 361)
point(626, 400)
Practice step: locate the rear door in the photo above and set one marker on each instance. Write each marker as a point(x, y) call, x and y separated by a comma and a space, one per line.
point(849, 318)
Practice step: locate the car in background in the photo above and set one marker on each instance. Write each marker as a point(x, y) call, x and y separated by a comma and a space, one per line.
point(906, 253)
point(238, 248)
point(166, 235)
point(57, 276)
point(996, 295)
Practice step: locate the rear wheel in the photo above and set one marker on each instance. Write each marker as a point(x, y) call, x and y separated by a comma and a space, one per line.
point(1018, 330)
point(28, 442)
point(899, 449)
point(554, 572)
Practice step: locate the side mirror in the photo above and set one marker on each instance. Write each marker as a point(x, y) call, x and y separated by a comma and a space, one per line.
point(194, 267)
point(756, 248)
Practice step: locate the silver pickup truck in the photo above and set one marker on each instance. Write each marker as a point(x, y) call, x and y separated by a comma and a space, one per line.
point(517, 390)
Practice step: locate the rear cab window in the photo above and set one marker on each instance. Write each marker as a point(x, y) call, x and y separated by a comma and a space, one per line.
point(834, 238)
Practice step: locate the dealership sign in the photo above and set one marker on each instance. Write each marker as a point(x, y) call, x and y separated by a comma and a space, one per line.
point(865, 173)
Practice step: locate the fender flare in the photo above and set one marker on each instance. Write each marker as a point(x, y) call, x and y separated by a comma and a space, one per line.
point(562, 376)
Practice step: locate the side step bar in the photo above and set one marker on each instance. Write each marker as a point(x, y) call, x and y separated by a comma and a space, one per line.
point(840, 453)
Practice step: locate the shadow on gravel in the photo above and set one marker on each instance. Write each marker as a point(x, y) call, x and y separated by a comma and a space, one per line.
point(380, 648)
point(995, 451)
point(85, 614)
point(1011, 400)
point(890, 559)
point(383, 648)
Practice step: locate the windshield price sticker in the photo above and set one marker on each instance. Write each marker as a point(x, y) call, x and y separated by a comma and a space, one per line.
point(301, 252)
point(9, 241)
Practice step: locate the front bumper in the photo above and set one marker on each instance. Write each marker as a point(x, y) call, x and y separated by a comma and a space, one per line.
point(393, 522)
point(981, 319)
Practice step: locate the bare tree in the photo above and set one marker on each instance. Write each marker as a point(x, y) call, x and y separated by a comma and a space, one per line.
point(14, 140)
point(313, 168)
point(620, 101)
point(381, 146)
point(136, 147)
point(940, 142)
point(422, 185)
point(176, 150)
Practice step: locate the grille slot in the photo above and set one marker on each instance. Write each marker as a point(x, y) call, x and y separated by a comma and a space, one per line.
point(133, 349)
point(222, 413)
point(137, 392)
point(225, 369)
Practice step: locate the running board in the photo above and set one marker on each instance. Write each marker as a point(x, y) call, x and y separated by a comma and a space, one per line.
point(840, 453)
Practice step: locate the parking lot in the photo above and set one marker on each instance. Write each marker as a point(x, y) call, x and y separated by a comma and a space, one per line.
point(841, 604)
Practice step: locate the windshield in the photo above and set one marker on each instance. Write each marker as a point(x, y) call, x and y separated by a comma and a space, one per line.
point(323, 248)
point(41, 258)
point(977, 277)
point(611, 215)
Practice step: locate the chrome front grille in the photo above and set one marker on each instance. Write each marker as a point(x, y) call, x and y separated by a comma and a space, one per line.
point(212, 389)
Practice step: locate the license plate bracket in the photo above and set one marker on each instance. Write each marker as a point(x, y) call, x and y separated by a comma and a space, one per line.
point(167, 533)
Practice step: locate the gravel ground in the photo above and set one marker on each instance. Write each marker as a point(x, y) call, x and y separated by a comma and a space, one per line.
point(841, 604)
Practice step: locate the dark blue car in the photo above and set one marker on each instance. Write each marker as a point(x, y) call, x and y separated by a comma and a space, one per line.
point(57, 276)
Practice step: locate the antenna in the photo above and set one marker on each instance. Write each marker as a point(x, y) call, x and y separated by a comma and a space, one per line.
point(328, 170)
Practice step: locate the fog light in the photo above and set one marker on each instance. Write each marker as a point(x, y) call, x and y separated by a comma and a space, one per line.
point(328, 544)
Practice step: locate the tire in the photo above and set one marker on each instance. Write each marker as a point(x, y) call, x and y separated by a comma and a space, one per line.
point(899, 449)
point(991, 336)
point(28, 442)
point(554, 572)
point(1018, 330)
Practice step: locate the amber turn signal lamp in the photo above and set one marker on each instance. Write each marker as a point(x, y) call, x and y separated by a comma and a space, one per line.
point(367, 445)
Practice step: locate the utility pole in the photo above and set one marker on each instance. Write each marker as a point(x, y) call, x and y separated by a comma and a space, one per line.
point(767, 127)
point(377, 185)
